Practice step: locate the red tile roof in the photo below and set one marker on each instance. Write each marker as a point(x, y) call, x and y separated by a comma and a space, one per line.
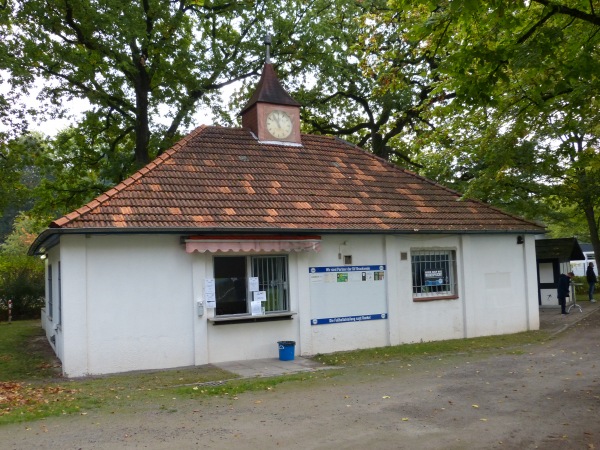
point(223, 179)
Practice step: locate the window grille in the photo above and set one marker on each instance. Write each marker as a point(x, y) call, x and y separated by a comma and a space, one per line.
point(433, 273)
point(272, 278)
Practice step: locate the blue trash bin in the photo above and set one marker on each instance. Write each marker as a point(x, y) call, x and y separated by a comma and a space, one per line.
point(286, 350)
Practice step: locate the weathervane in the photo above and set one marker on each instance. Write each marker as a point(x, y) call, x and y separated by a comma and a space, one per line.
point(268, 46)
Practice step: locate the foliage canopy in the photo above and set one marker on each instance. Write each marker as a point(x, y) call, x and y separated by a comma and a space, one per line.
point(496, 99)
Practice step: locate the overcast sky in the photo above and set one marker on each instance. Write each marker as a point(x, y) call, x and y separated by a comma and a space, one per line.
point(77, 106)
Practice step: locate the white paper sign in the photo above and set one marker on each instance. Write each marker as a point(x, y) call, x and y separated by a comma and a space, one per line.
point(209, 293)
point(256, 308)
point(260, 296)
point(253, 284)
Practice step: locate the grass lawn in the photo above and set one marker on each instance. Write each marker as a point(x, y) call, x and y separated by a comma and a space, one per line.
point(31, 386)
point(24, 352)
point(510, 343)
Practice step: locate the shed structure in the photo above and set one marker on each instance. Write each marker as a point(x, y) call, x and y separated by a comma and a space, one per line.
point(237, 238)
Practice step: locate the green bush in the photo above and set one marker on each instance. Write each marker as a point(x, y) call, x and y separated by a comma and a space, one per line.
point(581, 286)
point(22, 281)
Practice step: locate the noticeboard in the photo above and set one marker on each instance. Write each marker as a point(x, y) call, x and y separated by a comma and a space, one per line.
point(346, 294)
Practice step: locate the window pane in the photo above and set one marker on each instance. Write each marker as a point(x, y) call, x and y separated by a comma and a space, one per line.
point(433, 273)
point(230, 285)
point(272, 278)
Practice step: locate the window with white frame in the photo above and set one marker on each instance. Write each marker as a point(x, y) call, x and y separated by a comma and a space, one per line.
point(433, 273)
point(231, 283)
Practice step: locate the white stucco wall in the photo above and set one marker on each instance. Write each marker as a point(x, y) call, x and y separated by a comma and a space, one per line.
point(126, 304)
point(130, 302)
point(140, 298)
point(504, 285)
point(365, 251)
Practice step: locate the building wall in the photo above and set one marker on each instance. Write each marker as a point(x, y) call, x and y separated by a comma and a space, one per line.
point(503, 282)
point(140, 311)
point(579, 267)
point(549, 272)
point(126, 304)
point(131, 302)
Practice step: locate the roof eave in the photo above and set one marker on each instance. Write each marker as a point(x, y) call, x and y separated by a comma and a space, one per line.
point(49, 237)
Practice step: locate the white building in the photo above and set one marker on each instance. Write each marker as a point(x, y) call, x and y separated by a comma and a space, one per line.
point(553, 258)
point(579, 266)
point(237, 238)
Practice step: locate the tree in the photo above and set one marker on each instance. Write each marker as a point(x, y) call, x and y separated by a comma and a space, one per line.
point(353, 96)
point(21, 277)
point(9, 178)
point(477, 94)
point(332, 58)
point(18, 177)
point(526, 109)
point(143, 68)
point(49, 177)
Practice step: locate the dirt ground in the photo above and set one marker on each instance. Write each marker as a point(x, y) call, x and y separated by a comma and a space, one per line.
point(546, 397)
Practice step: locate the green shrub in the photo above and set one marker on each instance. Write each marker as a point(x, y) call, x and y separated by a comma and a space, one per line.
point(581, 286)
point(22, 281)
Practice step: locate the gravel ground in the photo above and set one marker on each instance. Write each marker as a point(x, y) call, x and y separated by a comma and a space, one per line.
point(546, 397)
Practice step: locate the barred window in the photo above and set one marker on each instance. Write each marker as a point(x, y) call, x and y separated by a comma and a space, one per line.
point(272, 275)
point(433, 273)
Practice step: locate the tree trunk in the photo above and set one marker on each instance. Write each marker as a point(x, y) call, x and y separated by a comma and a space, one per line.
point(593, 227)
point(587, 201)
point(142, 128)
point(378, 145)
point(141, 82)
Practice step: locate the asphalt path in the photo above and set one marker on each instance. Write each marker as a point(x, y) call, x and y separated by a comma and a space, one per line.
point(544, 396)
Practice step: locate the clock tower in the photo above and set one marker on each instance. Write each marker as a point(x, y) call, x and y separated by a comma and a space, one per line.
point(272, 114)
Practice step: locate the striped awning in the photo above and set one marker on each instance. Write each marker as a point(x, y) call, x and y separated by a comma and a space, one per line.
point(252, 243)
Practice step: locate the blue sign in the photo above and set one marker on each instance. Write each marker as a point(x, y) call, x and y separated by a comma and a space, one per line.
point(348, 319)
point(434, 277)
point(345, 269)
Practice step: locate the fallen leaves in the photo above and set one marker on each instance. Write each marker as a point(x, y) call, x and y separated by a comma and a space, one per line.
point(14, 395)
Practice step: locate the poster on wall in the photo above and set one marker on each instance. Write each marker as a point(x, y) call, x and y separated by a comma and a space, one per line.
point(346, 294)
point(434, 277)
point(253, 284)
point(209, 293)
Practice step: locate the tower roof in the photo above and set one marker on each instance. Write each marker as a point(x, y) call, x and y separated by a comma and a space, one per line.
point(269, 90)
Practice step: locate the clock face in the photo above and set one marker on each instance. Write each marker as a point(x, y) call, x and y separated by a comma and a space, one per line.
point(279, 124)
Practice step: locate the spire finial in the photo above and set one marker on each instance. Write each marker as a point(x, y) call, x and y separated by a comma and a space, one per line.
point(268, 46)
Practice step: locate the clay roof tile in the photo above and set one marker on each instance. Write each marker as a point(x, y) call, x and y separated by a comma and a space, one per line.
point(222, 178)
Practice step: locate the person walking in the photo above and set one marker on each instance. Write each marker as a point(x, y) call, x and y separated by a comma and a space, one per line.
point(563, 290)
point(591, 279)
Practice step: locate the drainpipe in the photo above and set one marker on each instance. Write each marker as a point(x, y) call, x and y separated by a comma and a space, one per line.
point(521, 240)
